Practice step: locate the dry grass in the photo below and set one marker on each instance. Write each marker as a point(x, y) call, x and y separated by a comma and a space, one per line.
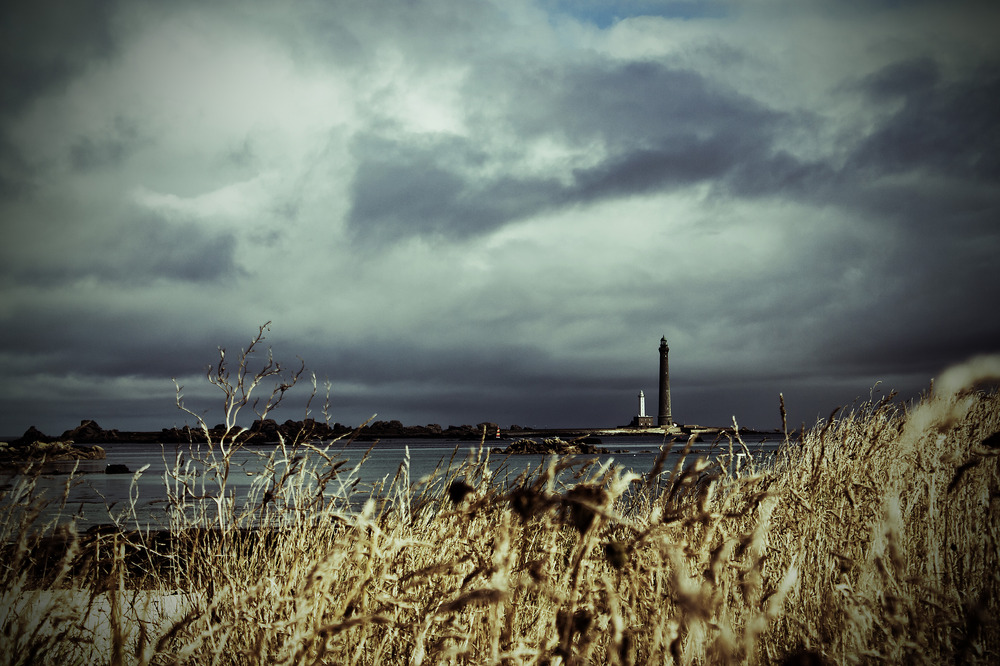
point(872, 538)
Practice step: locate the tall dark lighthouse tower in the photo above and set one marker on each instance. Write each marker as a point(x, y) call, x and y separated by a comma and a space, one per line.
point(664, 418)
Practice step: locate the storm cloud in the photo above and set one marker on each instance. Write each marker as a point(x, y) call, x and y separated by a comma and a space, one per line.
point(466, 211)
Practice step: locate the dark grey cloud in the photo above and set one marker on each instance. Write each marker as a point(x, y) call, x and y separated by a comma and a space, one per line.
point(680, 161)
point(101, 342)
point(154, 248)
point(729, 160)
point(949, 127)
point(662, 129)
point(902, 79)
point(937, 272)
point(141, 248)
point(912, 318)
point(88, 154)
point(44, 44)
point(403, 191)
point(17, 173)
point(629, 105)
point(776, 171)
point(403, 188)
point(110, 149)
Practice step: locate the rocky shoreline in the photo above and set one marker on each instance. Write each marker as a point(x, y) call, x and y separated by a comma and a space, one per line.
point(25, 452)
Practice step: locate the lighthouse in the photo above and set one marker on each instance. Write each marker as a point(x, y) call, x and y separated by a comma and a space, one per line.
point(642, 420)
point(664, 418)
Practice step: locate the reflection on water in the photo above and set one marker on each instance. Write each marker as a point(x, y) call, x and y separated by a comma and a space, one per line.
point(351, 473)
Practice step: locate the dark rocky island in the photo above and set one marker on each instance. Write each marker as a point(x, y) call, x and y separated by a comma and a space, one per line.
point(553, 446)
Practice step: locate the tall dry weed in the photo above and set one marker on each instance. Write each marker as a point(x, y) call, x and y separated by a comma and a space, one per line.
point(872, 537)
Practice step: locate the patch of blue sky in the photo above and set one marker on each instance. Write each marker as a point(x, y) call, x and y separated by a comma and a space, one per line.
point(605, 13)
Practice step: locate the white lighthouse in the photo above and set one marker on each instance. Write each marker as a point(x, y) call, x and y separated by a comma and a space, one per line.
point(642, 420)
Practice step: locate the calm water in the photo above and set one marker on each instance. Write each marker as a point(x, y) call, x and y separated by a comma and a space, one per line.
point(96, 497)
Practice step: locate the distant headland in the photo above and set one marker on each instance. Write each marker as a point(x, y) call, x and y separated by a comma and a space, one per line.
point(269, 431)
point(87, 441)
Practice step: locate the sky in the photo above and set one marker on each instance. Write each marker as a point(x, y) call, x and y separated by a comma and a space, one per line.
point(459, 211)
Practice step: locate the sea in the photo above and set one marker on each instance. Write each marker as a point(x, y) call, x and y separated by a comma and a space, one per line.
point(84, 493)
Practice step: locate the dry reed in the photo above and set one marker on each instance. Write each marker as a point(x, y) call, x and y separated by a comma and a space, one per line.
point(871, 538)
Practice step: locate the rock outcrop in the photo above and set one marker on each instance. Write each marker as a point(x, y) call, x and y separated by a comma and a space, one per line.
point(89, 431)
point(20, 452)
point(553, 446)
point(395, 429)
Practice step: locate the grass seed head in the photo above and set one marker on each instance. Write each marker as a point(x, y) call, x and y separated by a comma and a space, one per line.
point(458, 491)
